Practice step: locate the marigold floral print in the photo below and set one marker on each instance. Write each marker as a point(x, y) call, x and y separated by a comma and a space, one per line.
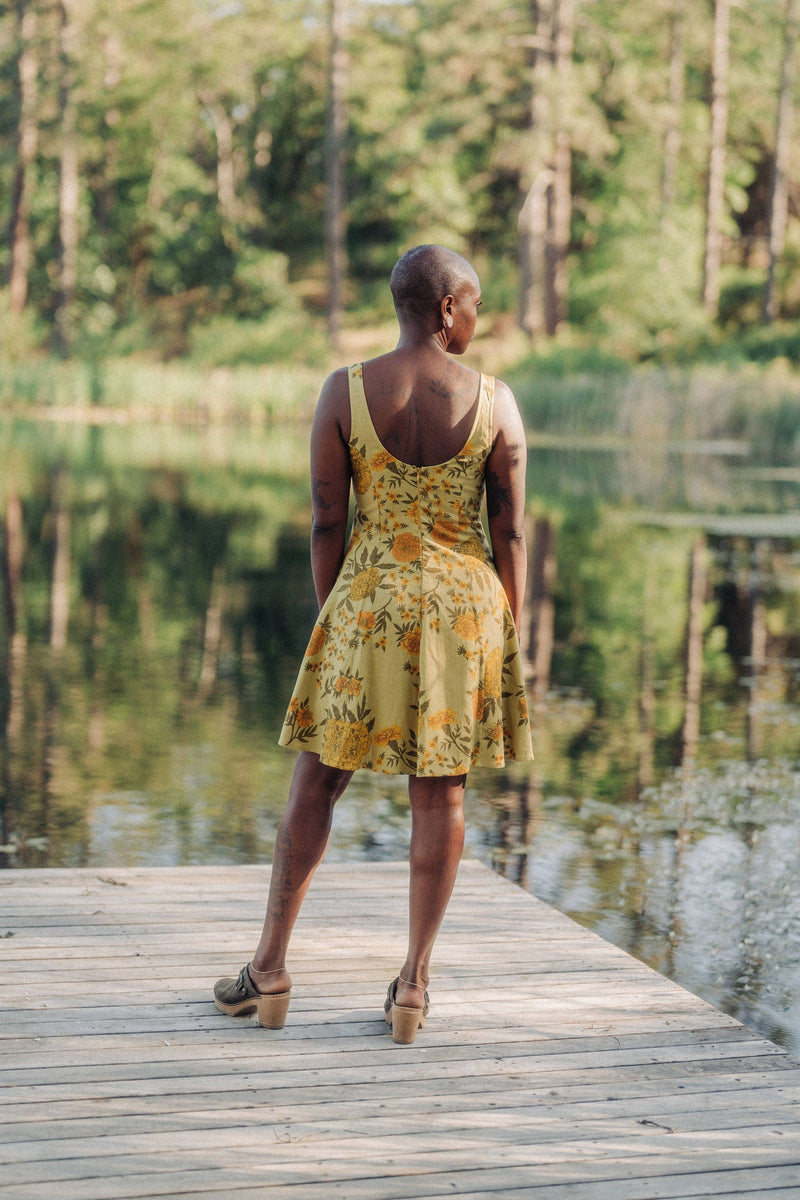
point(413, 665)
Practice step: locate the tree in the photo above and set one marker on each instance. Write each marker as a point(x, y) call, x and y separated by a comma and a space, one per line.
point(672, 132)
point(715, 195)
point(20, 236)
point(779, 184)
point(544, 222)
point(335, 213)
point(68, 180)
point(168, 161)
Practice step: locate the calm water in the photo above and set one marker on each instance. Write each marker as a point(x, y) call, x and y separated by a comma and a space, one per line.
point(157, 598)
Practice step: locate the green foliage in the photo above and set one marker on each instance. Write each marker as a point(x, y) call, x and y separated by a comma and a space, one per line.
point(769, 342)
point(282, 337)
point(20, 333)
point(757, 406)
point(201, 151)
point(261, 282)
point(638, 291)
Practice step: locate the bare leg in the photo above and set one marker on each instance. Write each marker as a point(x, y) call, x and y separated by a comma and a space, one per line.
point(301, 842)
point(437, 840)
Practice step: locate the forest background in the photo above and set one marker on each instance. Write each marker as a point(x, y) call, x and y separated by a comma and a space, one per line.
point(232, 181)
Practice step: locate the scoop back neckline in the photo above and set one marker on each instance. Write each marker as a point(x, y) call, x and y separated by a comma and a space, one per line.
point(419, 466)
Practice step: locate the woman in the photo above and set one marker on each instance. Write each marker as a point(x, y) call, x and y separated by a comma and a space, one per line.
point(413, 665)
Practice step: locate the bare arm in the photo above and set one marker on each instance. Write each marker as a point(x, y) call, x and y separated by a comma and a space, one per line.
point(505, 498)
point(330, 482)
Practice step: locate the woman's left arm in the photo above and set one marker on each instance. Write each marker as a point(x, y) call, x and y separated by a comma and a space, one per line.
point(505, 498)
point(330, 482)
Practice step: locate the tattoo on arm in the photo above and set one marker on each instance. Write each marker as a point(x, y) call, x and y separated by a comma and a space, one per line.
point(498, 496)
point(316, 494)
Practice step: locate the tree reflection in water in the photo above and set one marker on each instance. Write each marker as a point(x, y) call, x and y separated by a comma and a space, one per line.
point(692, 868)
point(157, 599)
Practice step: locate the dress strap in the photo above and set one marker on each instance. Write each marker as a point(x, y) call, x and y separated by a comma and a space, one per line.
point(361, 426)
point(482, 437)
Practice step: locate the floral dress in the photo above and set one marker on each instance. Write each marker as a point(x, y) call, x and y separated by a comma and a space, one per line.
point(413, 666)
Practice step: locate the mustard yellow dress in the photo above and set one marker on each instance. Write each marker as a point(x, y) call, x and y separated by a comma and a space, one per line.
point(413, 666)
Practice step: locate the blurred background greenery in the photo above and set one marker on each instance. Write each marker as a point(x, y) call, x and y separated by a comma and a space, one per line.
point(209, 180)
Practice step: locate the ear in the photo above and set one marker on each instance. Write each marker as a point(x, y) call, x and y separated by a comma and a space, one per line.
point(447, 312)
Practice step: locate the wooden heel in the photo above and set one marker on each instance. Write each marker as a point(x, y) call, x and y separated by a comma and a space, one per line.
point(272, 1010)
point(405, 1023)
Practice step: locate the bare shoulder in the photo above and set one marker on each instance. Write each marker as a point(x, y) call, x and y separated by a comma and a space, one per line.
point(506, 417)
point(336, 388)
point(333, 406)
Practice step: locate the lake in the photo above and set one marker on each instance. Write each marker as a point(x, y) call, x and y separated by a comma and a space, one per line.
point(157, 599)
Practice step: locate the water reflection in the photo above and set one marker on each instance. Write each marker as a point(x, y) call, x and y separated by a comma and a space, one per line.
point(698, 878)
point(157, 598)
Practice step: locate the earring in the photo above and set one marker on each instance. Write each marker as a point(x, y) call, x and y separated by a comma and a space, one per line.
point(448, 322)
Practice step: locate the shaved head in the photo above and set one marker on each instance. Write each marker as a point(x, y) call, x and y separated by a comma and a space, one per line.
point(424, 276)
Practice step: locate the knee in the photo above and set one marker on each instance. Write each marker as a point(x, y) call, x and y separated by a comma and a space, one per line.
point(316, 783)
point(437, 794)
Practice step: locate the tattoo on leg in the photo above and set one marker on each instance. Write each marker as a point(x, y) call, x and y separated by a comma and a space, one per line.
point(277, 903)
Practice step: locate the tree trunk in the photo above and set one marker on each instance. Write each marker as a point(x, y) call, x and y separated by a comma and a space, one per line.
point(335, 219)
point(533, 223)
point(779, 186)
point(535, 212)
point(69, 186)
point(546, 212)
point(672, 133)
point(27, 138)
point(715, 201)
point(534, 217)
point(561, 202)
point(227, 204)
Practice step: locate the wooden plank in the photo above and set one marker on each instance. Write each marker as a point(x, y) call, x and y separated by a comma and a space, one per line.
point(336, 1159)
point(453, 1126)
point(580, 1074)
point(446, 1173)
point(113, 1053)
point(440, 1062)
point(63, 1138)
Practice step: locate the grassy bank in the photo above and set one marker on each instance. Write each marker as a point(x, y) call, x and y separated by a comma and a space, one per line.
point(754, 404)
point(569, 393)
point(176, 391)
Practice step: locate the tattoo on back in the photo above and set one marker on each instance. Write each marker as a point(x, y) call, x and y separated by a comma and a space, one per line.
point(439, 388)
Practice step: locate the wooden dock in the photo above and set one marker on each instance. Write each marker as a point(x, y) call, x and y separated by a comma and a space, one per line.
point(553, 1065)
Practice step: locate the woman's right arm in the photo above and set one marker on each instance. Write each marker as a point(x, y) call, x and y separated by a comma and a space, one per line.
point(505, 498)
point(330, 482)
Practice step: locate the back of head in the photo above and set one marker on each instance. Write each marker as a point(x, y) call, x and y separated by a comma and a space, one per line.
point(423, 276)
